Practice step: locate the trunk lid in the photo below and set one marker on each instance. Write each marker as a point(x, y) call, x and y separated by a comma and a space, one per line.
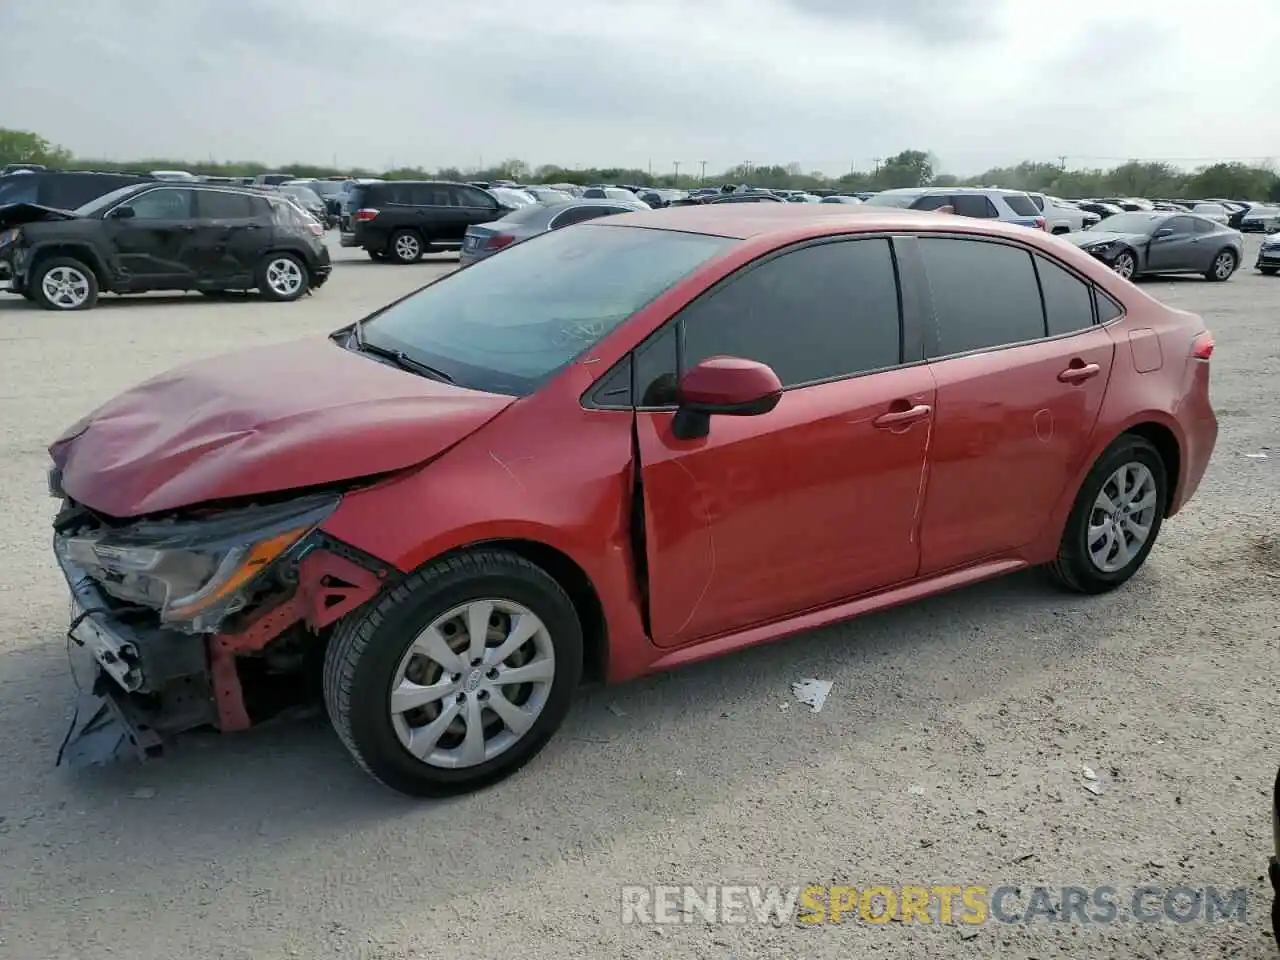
point(267, 420)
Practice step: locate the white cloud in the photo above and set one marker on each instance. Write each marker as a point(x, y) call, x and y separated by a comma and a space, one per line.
point(825, 83)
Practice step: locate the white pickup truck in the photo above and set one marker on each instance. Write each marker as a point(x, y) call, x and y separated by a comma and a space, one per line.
point(1061, 216)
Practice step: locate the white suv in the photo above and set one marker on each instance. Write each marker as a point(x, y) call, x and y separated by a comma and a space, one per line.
point(987, 203)
point(1061, 216)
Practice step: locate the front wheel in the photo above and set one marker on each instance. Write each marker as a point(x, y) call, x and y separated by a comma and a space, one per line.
point(1224, 265)
point(1125, 264)
point(1116, 518)
point(282, 277)
point(458, 677)
point(64, 283)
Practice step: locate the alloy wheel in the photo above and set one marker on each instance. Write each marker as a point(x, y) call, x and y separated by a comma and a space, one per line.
point(284, 276)
point(1224, 265)
point(1124, 265)
point(1122, 517)
point(65, 287)
point(472, 683)
point(408, 247)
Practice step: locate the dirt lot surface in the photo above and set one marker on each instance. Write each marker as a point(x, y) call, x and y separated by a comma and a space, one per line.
point(950, 750)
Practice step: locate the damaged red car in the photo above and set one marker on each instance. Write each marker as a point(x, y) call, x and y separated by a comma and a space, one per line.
point(614, 449)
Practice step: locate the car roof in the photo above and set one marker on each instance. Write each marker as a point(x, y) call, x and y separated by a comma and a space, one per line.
point(924, 191)
point(789, 222)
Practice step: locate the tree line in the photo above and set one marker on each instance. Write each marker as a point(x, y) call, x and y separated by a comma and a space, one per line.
point(910, 168)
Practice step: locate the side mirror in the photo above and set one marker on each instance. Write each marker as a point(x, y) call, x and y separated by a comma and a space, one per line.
point(123, 213)
point(723, 386)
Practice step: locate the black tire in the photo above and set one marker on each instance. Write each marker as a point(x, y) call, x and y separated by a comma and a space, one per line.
point(1268, 271)
point(406, 246)
point(77, 268)
point(365, 652)
point(280, 294)
point(1224, 266)
point(1074, 568)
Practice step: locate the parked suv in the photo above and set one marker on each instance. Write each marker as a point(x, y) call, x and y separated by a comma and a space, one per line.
point(1061, 216)
point(63, 190)
point(162, 236)
point(1011, 206)
point(400, 220)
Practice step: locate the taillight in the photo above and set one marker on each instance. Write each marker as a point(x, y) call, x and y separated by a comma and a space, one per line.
point(366, 214)
point(498, 241)
point(1202, 346)
point(1040, 223)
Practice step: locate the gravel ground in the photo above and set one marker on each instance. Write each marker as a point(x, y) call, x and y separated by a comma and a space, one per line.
point(949, 751)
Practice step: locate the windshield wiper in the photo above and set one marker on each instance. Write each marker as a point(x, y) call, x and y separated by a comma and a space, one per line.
point(403, 360)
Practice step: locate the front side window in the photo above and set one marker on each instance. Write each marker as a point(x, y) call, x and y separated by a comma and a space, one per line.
point(934, 201)
point(580, 215)
point(817, 313)
point(165, 204)
point(984, 294)
point(507, 324)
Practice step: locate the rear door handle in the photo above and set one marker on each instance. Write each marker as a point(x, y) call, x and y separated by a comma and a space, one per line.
point(1080, 374)
point(902, 418)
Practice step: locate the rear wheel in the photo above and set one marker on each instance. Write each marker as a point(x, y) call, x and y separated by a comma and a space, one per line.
point(64, 283)
point(1116, 518)
point(458, 677)
point(405, 247)
point(1224, 265)
point(282, 277)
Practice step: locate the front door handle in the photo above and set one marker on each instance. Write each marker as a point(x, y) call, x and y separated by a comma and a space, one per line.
point(902, 418)
point(1080, 374)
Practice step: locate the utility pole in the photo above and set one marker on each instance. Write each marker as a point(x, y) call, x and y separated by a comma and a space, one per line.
point(1062, 162)
point(746, 167)
point(651, 169)
point(676, 182)
point(702, 175)
point(876, 161)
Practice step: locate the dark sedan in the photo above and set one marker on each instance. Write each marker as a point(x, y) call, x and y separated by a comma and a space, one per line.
point(1137, 243)
point(484, 240)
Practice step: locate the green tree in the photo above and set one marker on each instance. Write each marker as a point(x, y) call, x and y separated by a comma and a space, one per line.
point(910, 168)
point(22, 146)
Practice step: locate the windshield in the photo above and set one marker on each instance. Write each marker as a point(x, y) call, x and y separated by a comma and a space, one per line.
point(1142, 223)
point(105, 201)
point(892, 199)
point(328, 188)
point(305, 194)
point(507, 324)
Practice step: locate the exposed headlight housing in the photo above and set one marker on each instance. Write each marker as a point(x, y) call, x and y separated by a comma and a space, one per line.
point(195, 572)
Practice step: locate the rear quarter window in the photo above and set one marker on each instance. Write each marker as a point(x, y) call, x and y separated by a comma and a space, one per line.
point(1021, 204)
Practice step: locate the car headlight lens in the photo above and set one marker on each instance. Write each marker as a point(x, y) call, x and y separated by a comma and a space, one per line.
point(194, 572)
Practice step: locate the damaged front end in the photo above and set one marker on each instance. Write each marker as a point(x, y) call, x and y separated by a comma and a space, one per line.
point(201, 618)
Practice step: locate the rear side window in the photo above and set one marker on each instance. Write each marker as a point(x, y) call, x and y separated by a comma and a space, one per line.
point(579, 214)
point(1205, 226)
point(975, 205)
point(1068, 303)
point(220, 205)
point(1021, 204)
point(934, 202)
point(984, 294)
point(1108, 309)
point(817, 313)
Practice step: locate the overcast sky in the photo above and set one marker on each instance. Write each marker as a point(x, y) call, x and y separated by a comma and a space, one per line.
point(828, 84)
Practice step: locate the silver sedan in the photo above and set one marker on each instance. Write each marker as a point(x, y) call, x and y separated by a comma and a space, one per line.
point(484, 240)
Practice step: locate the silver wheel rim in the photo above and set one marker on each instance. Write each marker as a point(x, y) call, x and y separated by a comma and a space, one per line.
point(65, 287)
point(1223, 265)
point(407, 247)
point(1124, 265)
point(1122, 516)
point(472, 684)
point(284, 276)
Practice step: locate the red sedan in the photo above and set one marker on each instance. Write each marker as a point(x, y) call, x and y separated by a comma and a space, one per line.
point(613, 449)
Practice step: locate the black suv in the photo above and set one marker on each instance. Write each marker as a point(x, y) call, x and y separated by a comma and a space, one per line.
point(64, 190)
point(162, 236)
point(400, 220)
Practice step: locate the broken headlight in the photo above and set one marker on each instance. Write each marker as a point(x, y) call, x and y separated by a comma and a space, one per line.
point(194, 572)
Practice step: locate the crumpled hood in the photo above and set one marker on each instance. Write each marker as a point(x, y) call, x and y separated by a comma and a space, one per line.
point(1089, 238)
point(16, 214)
point(258, 421)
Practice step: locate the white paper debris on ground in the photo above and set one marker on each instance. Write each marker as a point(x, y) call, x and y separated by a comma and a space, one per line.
point(1256, 456)
point(916, 790)
point(784, 707)
point(1088, 773)
point(812, 692)
point(1093, 788)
